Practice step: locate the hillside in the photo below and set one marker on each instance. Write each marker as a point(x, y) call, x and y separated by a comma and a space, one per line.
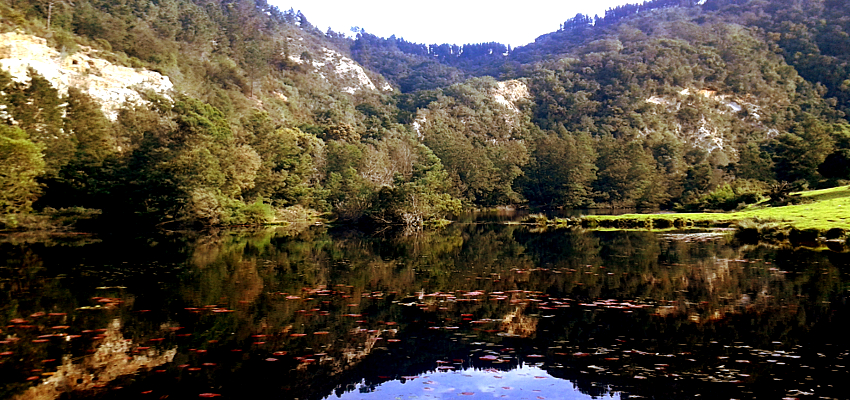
point(207, 112)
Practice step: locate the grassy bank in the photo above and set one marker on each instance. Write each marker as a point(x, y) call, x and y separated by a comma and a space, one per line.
point(823, 212)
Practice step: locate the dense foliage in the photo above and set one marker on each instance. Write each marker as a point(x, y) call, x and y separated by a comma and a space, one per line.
point(651, 105)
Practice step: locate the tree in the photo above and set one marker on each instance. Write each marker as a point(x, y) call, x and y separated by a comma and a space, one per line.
point(37, 108)
point(798, 153)
point(836, 166)
point(627, 174)
point(85, 179)
point(561, 171)
point(21, 162)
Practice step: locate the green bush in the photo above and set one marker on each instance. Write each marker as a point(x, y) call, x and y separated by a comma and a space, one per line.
point(727, 197)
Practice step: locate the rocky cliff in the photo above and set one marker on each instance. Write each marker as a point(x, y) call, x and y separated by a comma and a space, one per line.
point(111, 85)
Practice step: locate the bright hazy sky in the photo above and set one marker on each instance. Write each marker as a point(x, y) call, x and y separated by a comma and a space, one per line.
point(446, 21)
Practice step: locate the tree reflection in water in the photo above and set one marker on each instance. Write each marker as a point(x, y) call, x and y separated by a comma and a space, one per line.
point(312, 313)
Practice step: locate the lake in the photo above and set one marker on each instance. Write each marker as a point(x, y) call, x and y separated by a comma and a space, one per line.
point(474, 311)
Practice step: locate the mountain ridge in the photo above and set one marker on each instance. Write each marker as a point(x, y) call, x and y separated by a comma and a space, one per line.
point(652, 105)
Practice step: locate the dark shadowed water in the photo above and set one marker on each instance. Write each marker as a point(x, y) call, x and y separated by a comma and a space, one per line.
point(475, 311)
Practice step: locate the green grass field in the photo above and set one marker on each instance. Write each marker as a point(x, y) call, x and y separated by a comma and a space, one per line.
point(830, 208)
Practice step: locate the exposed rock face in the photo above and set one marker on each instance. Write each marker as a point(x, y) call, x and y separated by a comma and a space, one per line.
point(110, 85)
point(506, 93)
point(334, 67)
point(706, 134)
point(510, 93)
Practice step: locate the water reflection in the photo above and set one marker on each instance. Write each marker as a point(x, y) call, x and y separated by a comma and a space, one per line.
point(321, 313)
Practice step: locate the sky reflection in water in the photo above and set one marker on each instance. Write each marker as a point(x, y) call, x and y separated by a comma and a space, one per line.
point(527, 381)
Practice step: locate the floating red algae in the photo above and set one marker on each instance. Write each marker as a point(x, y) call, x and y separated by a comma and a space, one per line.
point(321, 333)
point(488, 358)
point(56, 314)
point(19, 321)
point(280, 353)
point(297, 334)
point(271, 359)
point(32, 378)
point(208, 395)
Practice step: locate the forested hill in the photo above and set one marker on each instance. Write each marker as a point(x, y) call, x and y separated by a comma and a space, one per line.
point(208, 112)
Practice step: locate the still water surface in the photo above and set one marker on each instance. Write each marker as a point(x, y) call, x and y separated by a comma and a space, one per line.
point(475, 311)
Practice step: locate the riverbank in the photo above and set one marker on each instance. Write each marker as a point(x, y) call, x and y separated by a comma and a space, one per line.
point(822, 213)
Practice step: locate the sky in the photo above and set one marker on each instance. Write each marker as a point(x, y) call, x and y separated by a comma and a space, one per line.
point(445, 21)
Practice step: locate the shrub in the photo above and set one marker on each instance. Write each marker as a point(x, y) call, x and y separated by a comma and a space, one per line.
point(727, 197)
